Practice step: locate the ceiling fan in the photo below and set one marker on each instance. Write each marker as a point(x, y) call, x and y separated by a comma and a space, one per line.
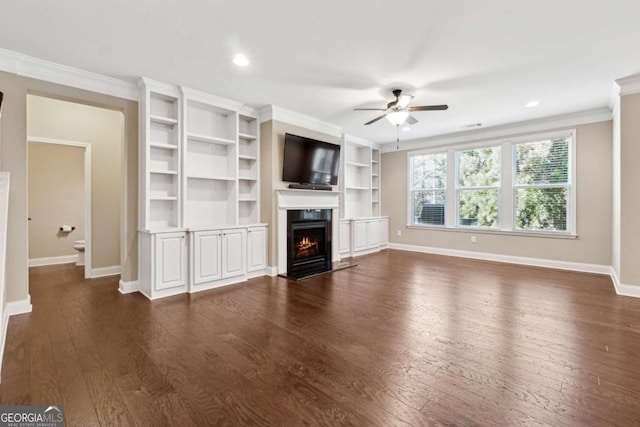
point(398, 111)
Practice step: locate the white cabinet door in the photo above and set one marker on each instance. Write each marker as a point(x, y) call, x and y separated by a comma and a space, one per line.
point(359, 235)
point(170, 260)
point(234, 252)
point(345, 243)
point(207, 257)
point(257, 248)
point(373, 233)
point(384, 232)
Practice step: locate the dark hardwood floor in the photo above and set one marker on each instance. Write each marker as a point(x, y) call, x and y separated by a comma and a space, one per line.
point(401, 339)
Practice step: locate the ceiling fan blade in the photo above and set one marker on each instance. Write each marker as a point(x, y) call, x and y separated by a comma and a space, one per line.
point(411, 120)
point(404, 100)
point(376, 119)
point(369, 109)
point(428, 108)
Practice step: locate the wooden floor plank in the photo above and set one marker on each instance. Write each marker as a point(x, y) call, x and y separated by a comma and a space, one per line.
point(401, 339)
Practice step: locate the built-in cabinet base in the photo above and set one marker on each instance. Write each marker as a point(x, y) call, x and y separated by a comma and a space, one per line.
point(195, 260)
point(360, 236)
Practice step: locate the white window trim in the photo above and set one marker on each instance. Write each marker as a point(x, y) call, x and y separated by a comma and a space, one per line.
point(507, 211)
point(497, 187)
point(410, 190)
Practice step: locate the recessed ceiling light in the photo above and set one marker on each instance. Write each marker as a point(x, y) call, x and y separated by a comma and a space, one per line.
point(240, 60)
point(406, 129)
point(532, 104)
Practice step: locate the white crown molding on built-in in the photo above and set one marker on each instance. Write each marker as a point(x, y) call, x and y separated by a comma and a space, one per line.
point(39, 69)
point(105, 271)
point(156, 86)
point(510, 259)
point(508, 130)
point(249, 111)
point(275, 113)
point(208, 98)
point(53, 260)
point(359, 141)
point(129, 287)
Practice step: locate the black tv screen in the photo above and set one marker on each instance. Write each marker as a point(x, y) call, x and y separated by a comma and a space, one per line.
point(309, 161)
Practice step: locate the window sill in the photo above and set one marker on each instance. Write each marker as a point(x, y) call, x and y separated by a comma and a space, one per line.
point(477, 230)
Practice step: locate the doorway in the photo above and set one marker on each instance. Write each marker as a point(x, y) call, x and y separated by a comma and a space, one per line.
point(59, 202)
point(96, 135)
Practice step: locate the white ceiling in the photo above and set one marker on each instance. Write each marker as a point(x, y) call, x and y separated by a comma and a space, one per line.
point(486, 59)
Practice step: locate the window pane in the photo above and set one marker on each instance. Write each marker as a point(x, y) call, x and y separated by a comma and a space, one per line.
point(543, 162)
point(429, 171)
point(478, 208)
point(479, 168)
point(541, 209)
point(428, 207)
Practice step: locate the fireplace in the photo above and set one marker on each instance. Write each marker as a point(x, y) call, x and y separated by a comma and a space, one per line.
point(308, 242)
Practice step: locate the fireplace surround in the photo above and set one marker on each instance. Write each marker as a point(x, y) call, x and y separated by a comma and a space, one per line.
point(308, 242)
point(290, 199)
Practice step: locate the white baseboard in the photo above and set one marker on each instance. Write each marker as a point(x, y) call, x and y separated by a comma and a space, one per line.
point(19, 307)
point(258, 273)
point(53, 260)
point(3, 336)
point(129, 287)
point(105, 271)
point(534, 262)
point(271, 271)
point(12, 308)
point(623, 289)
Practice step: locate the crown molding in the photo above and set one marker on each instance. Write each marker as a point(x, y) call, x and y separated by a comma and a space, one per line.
point(359, 141)
point(508, 130)
point(145, 83)
point(273, 112)
point(249, 111)
point(207, 98)
point(39, 69)
point(628, 85)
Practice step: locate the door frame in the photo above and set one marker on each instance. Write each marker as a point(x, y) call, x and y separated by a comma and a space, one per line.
point(87, 192)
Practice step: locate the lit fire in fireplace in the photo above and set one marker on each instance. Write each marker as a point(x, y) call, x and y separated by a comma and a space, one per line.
point(306, 247)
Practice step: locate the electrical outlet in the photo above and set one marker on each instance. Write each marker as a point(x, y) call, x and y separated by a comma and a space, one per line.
point(473, 239)
point(399, 233)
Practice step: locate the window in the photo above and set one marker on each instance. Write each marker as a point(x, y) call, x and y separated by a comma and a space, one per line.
point(428, 178)
point(542, 187)
point(478, 187)
point(524, 185)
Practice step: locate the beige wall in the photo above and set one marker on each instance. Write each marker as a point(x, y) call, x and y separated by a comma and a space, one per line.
point(629, 175)
point(271, 158)
point(56, 197)
point(104, 130)
point(594, 181)
point(14, 160)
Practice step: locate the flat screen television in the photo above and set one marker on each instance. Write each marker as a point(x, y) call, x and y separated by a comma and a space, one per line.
point(309, 161)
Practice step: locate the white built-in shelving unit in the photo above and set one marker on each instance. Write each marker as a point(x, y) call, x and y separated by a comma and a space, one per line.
point(199, 191)
point(210, 160)
point(160, 182)
point(248, 169)
point(362, 229)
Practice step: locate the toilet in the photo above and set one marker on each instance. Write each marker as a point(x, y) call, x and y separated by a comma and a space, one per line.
point(78, 245)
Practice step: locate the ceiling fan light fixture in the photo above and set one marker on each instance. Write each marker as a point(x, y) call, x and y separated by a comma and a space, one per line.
point(404, 100)
point(241, 60)
point(397, 117)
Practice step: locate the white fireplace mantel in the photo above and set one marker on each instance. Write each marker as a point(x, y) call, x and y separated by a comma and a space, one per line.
point(289, 199)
